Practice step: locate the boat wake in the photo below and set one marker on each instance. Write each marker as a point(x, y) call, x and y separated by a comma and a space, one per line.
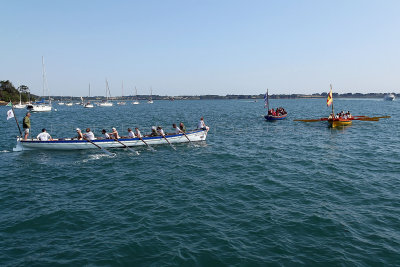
point(4, 151)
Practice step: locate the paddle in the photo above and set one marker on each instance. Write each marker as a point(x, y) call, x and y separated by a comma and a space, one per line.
point(103, 149)
point(152, 149)
point(130, 149)
point(168, 142)
point(186, 137)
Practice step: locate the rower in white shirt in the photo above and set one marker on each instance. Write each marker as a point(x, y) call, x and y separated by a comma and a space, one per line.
point(201, 125)
point(43, 136)
point(177, 130)
point(130, 133)
point(89, 134)
point(105, 134)
point(138, 134)
point(160, 131)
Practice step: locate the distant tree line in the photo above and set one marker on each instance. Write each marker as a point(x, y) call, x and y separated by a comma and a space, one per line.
point(9, 92)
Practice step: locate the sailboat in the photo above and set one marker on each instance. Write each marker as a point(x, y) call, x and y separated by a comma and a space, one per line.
point(20, 105)
point(106, 103)
point(70, 103)
point(41, 106)
point(136, 102)
point(150, 101)
point(122, 102)
point(88, 104)
point(61, 102)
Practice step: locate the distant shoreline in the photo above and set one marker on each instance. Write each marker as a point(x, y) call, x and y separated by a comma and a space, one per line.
point(218, 97)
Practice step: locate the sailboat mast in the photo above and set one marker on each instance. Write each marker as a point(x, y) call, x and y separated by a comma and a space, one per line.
point(43, 74)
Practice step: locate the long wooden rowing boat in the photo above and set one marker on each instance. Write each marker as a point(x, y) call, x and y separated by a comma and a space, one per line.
point(73, 144)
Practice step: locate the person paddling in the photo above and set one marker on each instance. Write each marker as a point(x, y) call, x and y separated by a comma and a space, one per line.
point(89, 134)
point(177, 130)
point(138, 134)
point(182, 127)
point(79, 134)
point(201, 125)
point(114, 134)
point(131, 134)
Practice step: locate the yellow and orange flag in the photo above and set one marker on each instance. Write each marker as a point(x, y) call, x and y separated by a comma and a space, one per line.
point(330, 99)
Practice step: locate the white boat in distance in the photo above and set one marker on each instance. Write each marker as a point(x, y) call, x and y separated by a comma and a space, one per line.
point(88, 104)
point(136, 102)
point(389, 97)
point(106, 103)
point(41, 106)
point(74, 144)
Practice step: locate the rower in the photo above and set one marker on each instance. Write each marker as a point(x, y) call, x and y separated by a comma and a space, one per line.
point(89, 134)
point(177, 130)
point(114, 134)
point(44, 136)
point(153, 131)
point(80, 136)
point(201, 125)
point(130, 133)
point(105, 134)
point(182, 127)
point(160, 131)
point(138, 134)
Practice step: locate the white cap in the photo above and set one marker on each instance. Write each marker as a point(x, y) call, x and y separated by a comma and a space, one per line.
point(113, 128)
point(78, 129)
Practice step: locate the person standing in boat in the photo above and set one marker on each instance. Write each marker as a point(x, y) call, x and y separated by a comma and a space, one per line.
point(44, 136)
point(79, 134)
point(177, 130)
point(89, 134)
point(131, 134)
point(26, 124)
point(182, 127)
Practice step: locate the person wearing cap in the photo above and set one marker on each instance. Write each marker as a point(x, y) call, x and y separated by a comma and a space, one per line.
point(105, 134)
point(130, 133)
point(89, 134)
point(114, 134)
point(44, 136)
point(26, 124)
point(79, 134)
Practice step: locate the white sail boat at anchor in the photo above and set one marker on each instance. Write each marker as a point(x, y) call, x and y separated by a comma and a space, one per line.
point(136, 102)
point(88, 104)
point(122, 97)
point(106, 103)
point(20, 105)
point(150, 101)
point(41, 106)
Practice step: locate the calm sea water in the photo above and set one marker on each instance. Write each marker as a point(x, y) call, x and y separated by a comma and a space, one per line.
point(255, 193)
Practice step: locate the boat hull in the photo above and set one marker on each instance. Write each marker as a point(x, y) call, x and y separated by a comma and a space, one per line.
point(68, 144)
point(39, 108)
point(339, 122)
point(275, 118)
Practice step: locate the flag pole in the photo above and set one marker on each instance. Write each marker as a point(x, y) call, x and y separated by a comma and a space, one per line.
point(15, 117)
point(333, 113)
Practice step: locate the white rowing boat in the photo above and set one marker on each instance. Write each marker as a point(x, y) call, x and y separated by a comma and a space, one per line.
point(73, 144)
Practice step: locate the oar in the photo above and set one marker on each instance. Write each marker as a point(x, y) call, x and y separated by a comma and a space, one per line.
point(103, 149)
point(168, 142)
point(130, 149)
point(186, 137)
point(152, 149)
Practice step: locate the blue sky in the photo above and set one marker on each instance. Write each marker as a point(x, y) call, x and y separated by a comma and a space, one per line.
point(202, 47)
